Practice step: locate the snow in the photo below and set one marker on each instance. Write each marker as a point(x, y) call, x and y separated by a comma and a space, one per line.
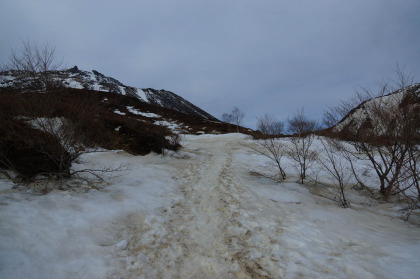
point(171, 125)
point(6, 80)
point(119, 112)
point(361, 114)
point(200, 214)
point(145, 114)
point(140, 93)
point(73, 83)
point(75, 235)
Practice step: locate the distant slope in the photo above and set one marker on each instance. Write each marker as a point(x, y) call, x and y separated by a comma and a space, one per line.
point(361, 116)
point(93, 80)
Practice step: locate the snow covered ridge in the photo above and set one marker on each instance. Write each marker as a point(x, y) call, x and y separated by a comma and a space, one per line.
point(362, 113)
point(94, 80)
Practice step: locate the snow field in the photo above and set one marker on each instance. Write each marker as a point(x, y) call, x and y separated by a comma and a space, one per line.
point(201, 214)
point(75, 235)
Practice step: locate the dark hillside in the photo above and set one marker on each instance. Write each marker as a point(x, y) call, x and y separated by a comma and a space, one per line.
point(83, 119)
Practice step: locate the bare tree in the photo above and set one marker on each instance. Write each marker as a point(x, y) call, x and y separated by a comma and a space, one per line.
point(386, 134)
point(36, 65)
point(269, 146)
point(334, 115)
point(387, 139)
point(238, 116)
point(269, 125)
point(413, 169)
point(273, 149)
point(227, 117)
point(403, 79)
point(336, 166)
point(412, 175)
point(235, 117)
point(302, 130)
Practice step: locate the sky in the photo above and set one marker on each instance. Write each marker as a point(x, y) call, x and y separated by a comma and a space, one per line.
point(264, 57)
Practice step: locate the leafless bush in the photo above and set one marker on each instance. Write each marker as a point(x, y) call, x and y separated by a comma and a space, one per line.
point(274, 150)
point(80, 180)
point(413, 168)
point(235, 117)
point(386, 133)
point(409, 186)
point(302, 130)
point(335, 114)
point(43, 134)
point(269, 146)
point(269, 125)
point(388, 141)
point(36, 66)
point(336, 166)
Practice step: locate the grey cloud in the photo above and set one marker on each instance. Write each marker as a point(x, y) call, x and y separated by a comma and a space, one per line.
point(262, 56)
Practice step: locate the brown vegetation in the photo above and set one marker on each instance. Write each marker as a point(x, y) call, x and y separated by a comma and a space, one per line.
point(45, 132)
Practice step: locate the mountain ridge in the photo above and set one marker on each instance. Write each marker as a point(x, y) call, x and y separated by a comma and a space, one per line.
point(94, 80)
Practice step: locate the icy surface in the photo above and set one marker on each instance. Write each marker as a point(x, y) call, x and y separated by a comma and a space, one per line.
point(199, 214)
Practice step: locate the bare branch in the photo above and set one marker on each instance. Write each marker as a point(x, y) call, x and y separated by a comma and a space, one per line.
point(36, 65)
point(302, 140)
point(269, 125)
point(335, 165)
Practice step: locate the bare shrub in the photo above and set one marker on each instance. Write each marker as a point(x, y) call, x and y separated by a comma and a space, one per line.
point(28, 151)
point(333, 115)
point(392, 133)
point(336, 166)
point(302, 130)
point(36, 66)
point(235, 117)
point(385, 131)
point(43, 134)
point(269, 125)
point(273, 149)
point(51, 127)
point(269, 146)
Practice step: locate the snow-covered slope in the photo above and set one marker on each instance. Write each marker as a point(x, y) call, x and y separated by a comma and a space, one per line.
point(358, 116)
point(93, 80)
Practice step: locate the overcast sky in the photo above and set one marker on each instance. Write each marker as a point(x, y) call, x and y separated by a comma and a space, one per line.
point(261, 56)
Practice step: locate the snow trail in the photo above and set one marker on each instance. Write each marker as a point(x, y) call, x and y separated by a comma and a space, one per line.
point(203, 234)
point(200, 215)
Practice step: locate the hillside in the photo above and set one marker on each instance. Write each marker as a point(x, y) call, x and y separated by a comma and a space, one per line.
point(93, 80)
point(33, 124)
point(365, 115)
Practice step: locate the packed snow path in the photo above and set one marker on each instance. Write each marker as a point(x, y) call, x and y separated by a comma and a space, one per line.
point(204, 236)
point(225, 224)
